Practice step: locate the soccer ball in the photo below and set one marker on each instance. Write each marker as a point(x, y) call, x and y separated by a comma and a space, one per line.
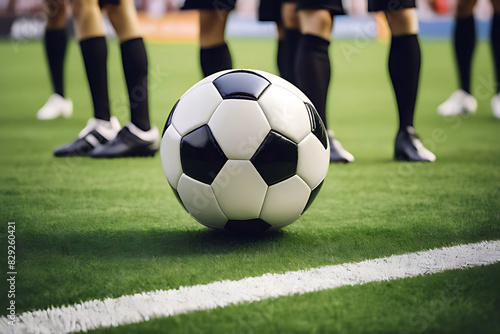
point(245, 151)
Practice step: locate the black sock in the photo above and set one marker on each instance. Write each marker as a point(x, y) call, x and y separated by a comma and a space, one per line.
point(404, 70)
point(281, 59)
point(215, 59)
point(464, 41)
point(55, 42)
point(312, 71)
point(95, 52)
point(135, 68)
point(495, 46)
point(287, 52)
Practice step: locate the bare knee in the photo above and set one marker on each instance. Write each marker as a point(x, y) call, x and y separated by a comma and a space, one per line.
point(465, 8)
point(81, 8)
point(289, 15)
point(316, 22)
point(212, 27)
point(87, 18)
point(124, 19)
point(403, 22)
point(56, 14)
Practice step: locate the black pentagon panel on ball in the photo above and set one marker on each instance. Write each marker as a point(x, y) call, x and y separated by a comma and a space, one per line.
point(313, 195)
point(249, 226)
point(169, 118)
point(317, 126)
point(241, 85)
point(201, 156)
point(276, 158)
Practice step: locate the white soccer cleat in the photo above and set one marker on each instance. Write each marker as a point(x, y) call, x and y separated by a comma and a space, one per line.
point(55, 107)
point(337, 152)
point(460, 102)
point(495, 105)
point(408, 147)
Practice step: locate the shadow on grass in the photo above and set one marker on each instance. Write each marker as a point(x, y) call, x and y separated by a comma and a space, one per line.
point(110, 263)
point(148, 243)
point(329, 242)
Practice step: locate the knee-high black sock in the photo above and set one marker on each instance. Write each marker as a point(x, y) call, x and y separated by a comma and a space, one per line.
point(215, 59)
point(312, 71)
point(95, 54)
point(281, 58)
point(464, 41)
point(287, 52)
point(495, 46)
point(404, 70)
point(55, 50)
point(135, 68)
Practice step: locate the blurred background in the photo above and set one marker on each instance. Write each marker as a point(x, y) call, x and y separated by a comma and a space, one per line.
point(162, 21)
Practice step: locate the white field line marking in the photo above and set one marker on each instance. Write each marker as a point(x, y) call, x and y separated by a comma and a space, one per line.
point(142, 307)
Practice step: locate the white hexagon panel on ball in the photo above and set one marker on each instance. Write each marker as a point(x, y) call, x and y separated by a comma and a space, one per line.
point(170, 156)
point(285, 202)
point(197, 107)
point(239, 126)
point(199, 200)
point(286, 113)
point(313, 162)
point(240, 190)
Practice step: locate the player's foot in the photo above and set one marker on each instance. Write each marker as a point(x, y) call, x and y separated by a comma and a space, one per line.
point(337, 152)
point(409, 147)
point(460, 102)
point(495, 105)
point(130, 142)
point(55, 106)
point(95, 134)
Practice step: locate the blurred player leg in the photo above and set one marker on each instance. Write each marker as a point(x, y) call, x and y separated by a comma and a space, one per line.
point(290, 41)
point(134, 60)
point(137, 138)
point(55, 41)
point(495, 46)
point(270, 11)
point(313, 68)
point(404, 70)
point(283, 13)
point(214, 52)
point(464, 38)
point(89, 28)
point(281, 52)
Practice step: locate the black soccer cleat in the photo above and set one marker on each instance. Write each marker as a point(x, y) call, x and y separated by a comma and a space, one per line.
point(81, 147)
point(130, 142)
point(96, 133)
point(337, 152)
point(408, 147)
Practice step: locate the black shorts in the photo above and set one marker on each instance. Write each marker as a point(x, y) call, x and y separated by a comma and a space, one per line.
point(103, 3)
point(335, 6)
point(389, 5)
point(270, 10)
point(209, 4)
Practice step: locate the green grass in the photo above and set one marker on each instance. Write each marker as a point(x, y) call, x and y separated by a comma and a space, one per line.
point(91, 229)
point(442, 303)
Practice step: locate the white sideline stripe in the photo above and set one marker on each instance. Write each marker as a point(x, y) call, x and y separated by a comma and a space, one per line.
point(142, 307)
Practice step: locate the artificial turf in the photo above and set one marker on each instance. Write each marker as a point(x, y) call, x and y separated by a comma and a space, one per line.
point(89, 229)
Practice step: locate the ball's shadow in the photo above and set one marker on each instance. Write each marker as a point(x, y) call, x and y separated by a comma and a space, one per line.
point(147, 243)
point(211, 241)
